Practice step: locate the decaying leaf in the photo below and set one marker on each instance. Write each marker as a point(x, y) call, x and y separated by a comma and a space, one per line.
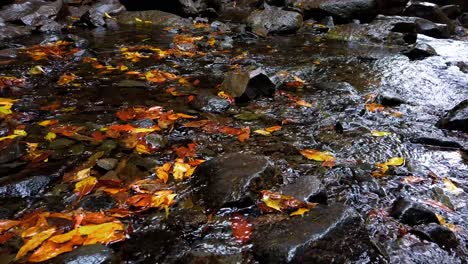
point(66, 78)
point(284, 203)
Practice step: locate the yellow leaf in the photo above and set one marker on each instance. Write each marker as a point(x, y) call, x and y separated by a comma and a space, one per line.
point(82, 174)
point(262, 132)
point(272, 203)
point(36, 70)
point(85, 186)
point(397, 161)
point(8, 137)
point(59, 239)
point(47, 122)
point(6, 110)
point(20, 132)
point(34, 242)
point(142, 149)
point(7, 101)
point(138, 20)
point(451, 187)
point(300, 211)
point(375, 107)
point(107, 15)
point(50, 136)
point(273, 129)
point(143, 130)
point(316, 155)
point(380, 133)
point(179, 170)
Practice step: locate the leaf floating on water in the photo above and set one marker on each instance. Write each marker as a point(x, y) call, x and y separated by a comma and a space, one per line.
point(273, 129)
point(284, 203)
point(312, 154)
point(380, 133)
point(303, 103)
point(262, 132)
point(50, 136)
point(375, 107)
point(66, 79)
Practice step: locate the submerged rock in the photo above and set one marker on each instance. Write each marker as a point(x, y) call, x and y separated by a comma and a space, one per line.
point(274, 20)
point(233, 179)
point(332, 234)
point(245, 85)
point(342, 11)
point(91, 254)
point(155, 17)
point(456, 118)
point(206, 102)
point(96, 203)
point(412, 213)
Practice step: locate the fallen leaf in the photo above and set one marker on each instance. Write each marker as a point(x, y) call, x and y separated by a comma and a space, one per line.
point(66, 78)
point(50, 136)
point(380, 133)
point(326, 157)
point(262, 132)
point(85, 186)
point(300, 211)
point(5, 225)
point(375, 107)
point(273, 129)
point(50, 250)
point(303, 103)
point(241, 228)
point(36, 70)
point(34, 242)
point(451, 187)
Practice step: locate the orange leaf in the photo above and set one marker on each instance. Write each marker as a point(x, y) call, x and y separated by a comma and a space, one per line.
point(273, 128)
point(303, 103)
point(7, 224)
point(312, 154)
point(140, 200)
point(198, 123)
point(375, 107)
point(124, 128)
point(50, 250)
point(34, 242)
point(66, 78)
point(102, 233)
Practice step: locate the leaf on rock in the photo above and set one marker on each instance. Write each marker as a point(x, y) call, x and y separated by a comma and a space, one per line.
point(300, 211)
point(380, 133)
point(451, 187)
point(326, 157)
point(384, 167)
point(375, 107)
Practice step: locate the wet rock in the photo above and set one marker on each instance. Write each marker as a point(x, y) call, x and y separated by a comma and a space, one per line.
point(342, 11)
point(11, 152)
point(306, 188)
point(23, 187)
point(91, 254)
point(334, 96)
point(246, 86)
point(61, 143)
point(151, 246)
point(96, 203)
point(429, 28)
point(428, 11)
point(180, 7)
point(456, 118)
point(157, 18)
point(156, 141)
point(391, 7)
point(438, 234)
point(464, 20)
point(412, 213)
point(438, 142)
point(206, 102)
point(388, 99)
point(45, 13)
point(9, 206)
point(107, 164)
point(95, 15)
point(233, 179)
point(451, 11)
point(420, 51)
point(333, 234)
point(274, 20)
point(5, 2)
point(13, 31)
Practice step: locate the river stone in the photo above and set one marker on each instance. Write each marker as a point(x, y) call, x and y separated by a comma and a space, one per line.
point(428, 11)
point(23, 187)
point(341, 11)
point(157, 18)
point(96, 14)
point(44, 14)
point(274, 20)
point(96, 203)
point(180, 7)
point(91, 254)
point(438, 234)
point(327, 234)
point(246, 86)
point(233, 179)
point(206, 102)
point(13, 31)
point(456, 118)
point(107, 164)
point(412, 213)
point(11, 152)
point(451, 11)
point(390, 99)
point(464, 20)
point(391, 7)
point(420, 51)
point(306, 188)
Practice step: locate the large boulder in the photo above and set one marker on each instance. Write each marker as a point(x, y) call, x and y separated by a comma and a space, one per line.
point(428, 11)
point(274, 20)
point(341, 11)
point(456, 118)
point(180, 7)
point(95, 16)
point(91, 254)
point(34, 13)
point(333, 234)
point(233, 179)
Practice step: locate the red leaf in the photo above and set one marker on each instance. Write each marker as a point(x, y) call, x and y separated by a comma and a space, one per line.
point(241, 228)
